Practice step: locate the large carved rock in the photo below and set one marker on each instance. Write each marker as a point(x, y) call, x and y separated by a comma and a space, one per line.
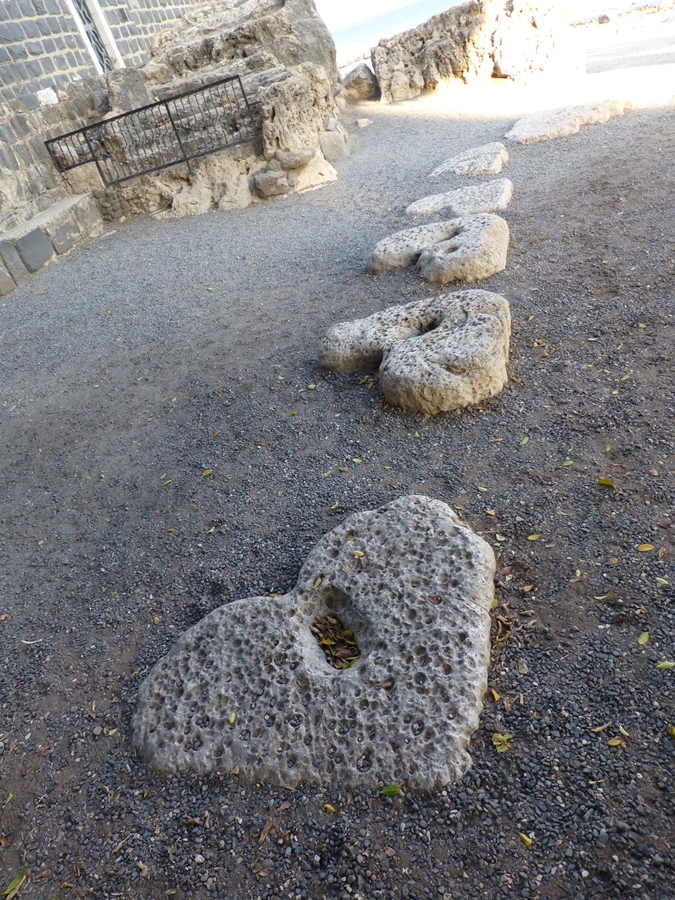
point(434, 355)
point(556, 123)
point(491, 196)
point(361, 84)
point(250, 687)
point(468, 248)
point(487, 159)
point(476, 41)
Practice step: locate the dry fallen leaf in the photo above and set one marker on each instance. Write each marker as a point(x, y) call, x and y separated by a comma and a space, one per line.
point(358, 553)
point(207, 472)
point(533, 537)
point(232, 718)
point(523, 667)
point(328, 808)
point(525, 839)
point(662, 581)
point(502, 742)
point(665, 664)
point(644, 637)
point(496, 697)
point(607, 482)
point(645, 548)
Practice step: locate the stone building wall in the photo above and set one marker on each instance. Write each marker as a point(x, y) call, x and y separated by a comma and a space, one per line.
point(41, 46)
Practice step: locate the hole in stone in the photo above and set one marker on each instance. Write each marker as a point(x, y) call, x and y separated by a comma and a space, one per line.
point(337, 642)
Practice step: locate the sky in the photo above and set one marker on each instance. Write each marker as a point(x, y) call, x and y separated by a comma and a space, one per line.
point(339, 14)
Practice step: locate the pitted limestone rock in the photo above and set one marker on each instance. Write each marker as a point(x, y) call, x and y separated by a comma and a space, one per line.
point(560, 122)
point(485, 160)
point(404, 247)
point(477, 198)
point(468, 248)
point(434, 355)
point(477, 250)
point(415, 585)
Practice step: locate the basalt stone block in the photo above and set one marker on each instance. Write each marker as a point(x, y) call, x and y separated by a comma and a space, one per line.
point(251, 687)
point(13, 262)
point(7, 283)
point(434, 355)
point(491, 196)
point(34, 249)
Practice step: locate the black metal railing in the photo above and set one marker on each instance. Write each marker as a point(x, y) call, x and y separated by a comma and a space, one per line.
point(159, 135)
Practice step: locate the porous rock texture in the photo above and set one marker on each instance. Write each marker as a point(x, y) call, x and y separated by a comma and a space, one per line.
point(250, 687)
point(477, 250)
point(488, 197)
point(361, 83)
point(560, 122)
point(404, 247)
point(474, 42)
point(467, 248)
point(487, 159)
point(434, 355)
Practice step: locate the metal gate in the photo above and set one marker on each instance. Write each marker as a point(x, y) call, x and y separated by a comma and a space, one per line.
point(160, 135)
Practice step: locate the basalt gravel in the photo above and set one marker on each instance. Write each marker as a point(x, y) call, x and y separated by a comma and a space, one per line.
point(165, 349)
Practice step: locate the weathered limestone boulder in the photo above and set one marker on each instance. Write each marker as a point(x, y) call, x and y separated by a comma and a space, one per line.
point(477, 250)
point(476, 41)
point(404, 247)
point(361, 84)
point(434, 355)
point(561, 122)
point(469, 248)
point(250, 687)
point(485, 160)
point(488, 197)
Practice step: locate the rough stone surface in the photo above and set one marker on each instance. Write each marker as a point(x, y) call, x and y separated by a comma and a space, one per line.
point(334, 144)
point(361, 84)
point(415, 586)
point(485, 160)
point(127, 90)
point(34, 249)
point(488, 197)
point(561, 122)
point(271, 184)
point(434, 355)
point(7, 283)
point(13, 262)
point(473, 42)
point(404, 247)
point(296, 159)
point(477, 250)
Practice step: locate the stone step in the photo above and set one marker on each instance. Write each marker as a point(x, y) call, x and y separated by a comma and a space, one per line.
point(27, 247)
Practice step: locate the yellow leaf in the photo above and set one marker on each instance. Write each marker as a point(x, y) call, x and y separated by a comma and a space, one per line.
point(524, 441)
point(328, 808)
point(170, 529)
point(358, 552)
point(216, 433)
point(615, 742)
point(665, 664)
point(533, 537)
point(671, 731)
point(607, 482)
point(645, 548)
point(501, 742)
point(623, 731)
point(496, 697)
point(349, 537)
point(601, 728)
point(417, 434)
point(523, 667)
point(317, 582)
point(525, 839)
point(608, 448)
point(232, 718)
point(644, 637)
point(568, 462)
point(165, 483)
point(355, 460)
point(207, 472)
point(662, 581)
point(293, 413)
point(112, 732)
point(483, 490)
point(601, 597)
point(388, 468)
point(334, 506)
point(491, 512)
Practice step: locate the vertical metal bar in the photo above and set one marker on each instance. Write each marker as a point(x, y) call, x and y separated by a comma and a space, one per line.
point(180, 143)
point(95, 158)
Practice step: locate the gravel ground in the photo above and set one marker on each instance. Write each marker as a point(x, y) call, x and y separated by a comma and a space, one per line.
point(169, 347)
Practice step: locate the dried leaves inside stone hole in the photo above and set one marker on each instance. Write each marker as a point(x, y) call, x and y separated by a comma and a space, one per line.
point(336, 641)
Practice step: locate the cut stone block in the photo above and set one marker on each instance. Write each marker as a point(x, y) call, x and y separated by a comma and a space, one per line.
point(250, 687)
point(361, 84)
point(561, 122)
point(7, 283)
point(34, 249)
point(478, 198)
point(434, 355)
point(13, 262)
point(485, 160)
point(404, 247)
point(476, 250)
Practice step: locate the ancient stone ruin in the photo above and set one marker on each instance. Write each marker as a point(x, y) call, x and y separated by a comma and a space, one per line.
point(433, 355)
point(492, 196)
point(406, 590)
point(487, 159)
point(476, 41)
point(468, 248)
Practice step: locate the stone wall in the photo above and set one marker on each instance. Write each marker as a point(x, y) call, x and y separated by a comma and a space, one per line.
point(41, 47)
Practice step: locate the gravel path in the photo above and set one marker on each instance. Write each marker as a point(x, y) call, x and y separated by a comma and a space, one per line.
point(168, 347)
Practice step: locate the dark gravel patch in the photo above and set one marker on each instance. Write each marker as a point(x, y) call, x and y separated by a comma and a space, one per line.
point(168, 348)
